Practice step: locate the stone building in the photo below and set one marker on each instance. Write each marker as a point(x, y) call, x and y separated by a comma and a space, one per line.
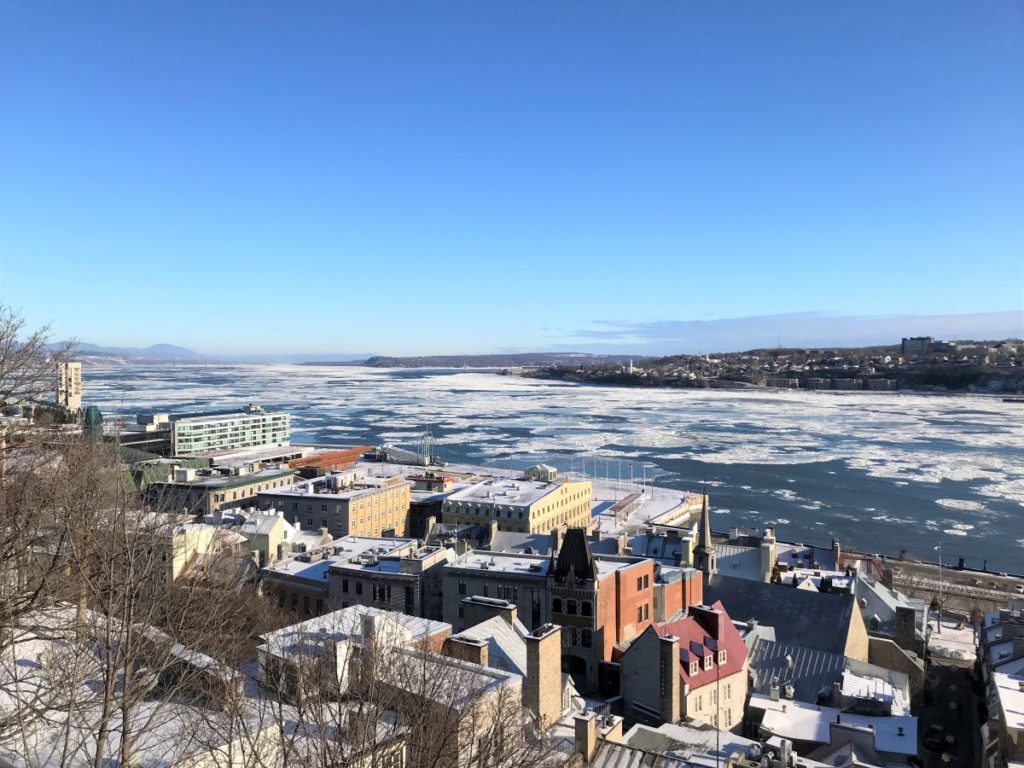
point(348, 503)
point(524, 506)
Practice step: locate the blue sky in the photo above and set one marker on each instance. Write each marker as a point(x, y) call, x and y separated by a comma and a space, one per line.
point(470, 177)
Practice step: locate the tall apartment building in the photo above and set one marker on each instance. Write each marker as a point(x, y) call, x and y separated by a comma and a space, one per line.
point(348, 503)
point(249, 427)
point(524, 506)
point(69, 386)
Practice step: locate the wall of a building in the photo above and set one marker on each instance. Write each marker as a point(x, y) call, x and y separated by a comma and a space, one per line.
point(719, 703)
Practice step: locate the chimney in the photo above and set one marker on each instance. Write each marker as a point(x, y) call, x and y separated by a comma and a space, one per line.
point(768, 555)
point(620, 544)
point(467, 649)
point(492, 530)
point(708, 618)
point(429, 526)
point(668, 670)
point(586, 735)
point(906, 626)
point(544, 674)
point(556, 541)
point(693, 588)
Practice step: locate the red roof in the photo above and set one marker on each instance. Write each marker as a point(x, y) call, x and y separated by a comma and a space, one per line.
point(697, 632)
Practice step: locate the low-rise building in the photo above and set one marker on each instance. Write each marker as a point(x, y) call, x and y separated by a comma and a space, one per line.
point(597, 600)
point(525, 506)
point(694, 667)
point(203, 492)
point(456, 712)
point(349, 503)
point(815, 729)
point(409, 582)
point(302, 582)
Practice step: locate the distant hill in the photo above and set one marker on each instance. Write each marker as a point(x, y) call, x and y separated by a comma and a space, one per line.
point(516, 360)
point(165, 352)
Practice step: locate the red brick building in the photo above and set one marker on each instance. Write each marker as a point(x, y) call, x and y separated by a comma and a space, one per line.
point(605, 601)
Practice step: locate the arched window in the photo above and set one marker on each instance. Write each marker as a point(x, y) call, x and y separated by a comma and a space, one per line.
point(587, 608)
point(571, 607)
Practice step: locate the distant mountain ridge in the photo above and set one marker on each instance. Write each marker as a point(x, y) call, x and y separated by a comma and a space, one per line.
point(172, 353)
point(168, 352)
point(511, 360)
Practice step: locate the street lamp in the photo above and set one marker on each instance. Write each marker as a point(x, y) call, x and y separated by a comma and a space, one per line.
point(938, 622)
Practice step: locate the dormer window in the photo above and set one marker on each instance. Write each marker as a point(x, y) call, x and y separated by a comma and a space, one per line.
point(694, 668)
point(721, 657)
point(707, 661)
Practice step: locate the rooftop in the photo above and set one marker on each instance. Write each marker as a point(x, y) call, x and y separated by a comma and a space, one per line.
point(339, 551)
point(230, 481)
point(506, 491)
point(814, 620)
point(1010, 689)
point(808, 722)
point(307, 637)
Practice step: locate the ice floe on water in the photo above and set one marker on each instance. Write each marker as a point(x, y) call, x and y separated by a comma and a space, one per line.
point(955, 532)
point(957, 447)
point(964, 504)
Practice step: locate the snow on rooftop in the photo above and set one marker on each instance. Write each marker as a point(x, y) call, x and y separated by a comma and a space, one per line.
point(809, 722)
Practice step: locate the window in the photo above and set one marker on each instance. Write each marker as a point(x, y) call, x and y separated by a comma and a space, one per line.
point(698, 703)
point(639, 583)
point(728, 717)
point(556, 605)
point(721, 657)
point(462, 587)
point(587, 608)
point(728, 691)
point(323, 507)
point(639, 613)
point(647, 611)
point(586, 638)
point(305, 604)
point(344, 585)
point(694, 668)
point(462, 610)
point(570, 607)
point(319, 607)
point(647, 581)
point(295, 601)
point(707, 661)
point(309, 522)
point(359, 587)
point(323, 523)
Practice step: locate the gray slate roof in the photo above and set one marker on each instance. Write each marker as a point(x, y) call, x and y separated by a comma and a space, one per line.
point(813, 672)
point(814, 620)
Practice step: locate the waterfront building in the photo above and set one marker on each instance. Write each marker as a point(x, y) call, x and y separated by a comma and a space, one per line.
point(249, 427)
point(526, 506)
point(348, 503)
